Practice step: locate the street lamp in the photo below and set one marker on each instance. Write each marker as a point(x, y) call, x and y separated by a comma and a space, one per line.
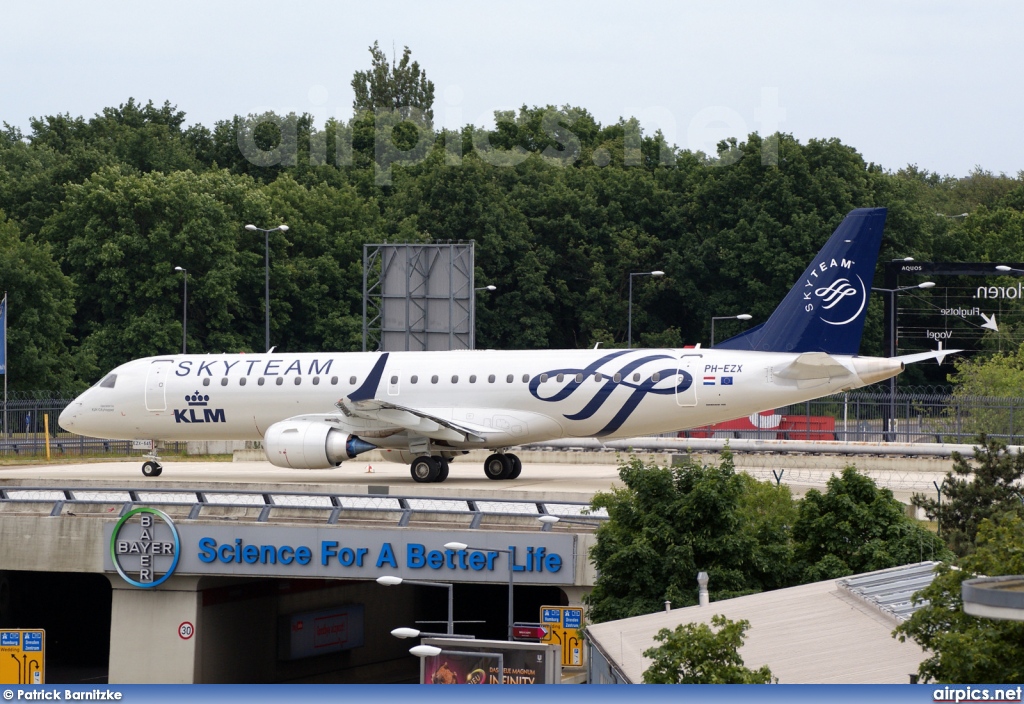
point(184, 309)
point(490, 287)
point(458, 547)
point(741, 316)
point(892, 344)
point(389, 581)
point(1009, 269)
point(549, 521)
point(629, 324)
point(266, 262)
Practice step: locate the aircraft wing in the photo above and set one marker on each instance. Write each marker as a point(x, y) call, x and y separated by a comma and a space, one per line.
point(419, 422)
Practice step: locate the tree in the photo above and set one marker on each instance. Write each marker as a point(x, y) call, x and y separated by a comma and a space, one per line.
point(695, 654)
point(856, 527)
point(1000, 374)
point(393, 86)
point(665, 526)
point(964, 648)
point(969, 500)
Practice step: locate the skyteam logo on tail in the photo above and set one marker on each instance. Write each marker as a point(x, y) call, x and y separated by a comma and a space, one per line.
point(840, 301)
point(660, 375)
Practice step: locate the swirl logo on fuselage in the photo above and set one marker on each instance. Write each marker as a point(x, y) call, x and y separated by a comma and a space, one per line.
point(667, 381)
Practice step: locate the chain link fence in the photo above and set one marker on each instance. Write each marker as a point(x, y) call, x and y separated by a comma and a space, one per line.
point(872, 414)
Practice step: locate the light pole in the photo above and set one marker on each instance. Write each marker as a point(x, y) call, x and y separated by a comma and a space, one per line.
point(548, 520)
point(184, 310)
point(741, 316)
point(892, 345)
point(266, 263)
point(389, 581)
point(458, 547)
point(629, 324)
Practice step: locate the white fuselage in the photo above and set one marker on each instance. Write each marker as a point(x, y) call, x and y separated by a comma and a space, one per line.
point(512, 397)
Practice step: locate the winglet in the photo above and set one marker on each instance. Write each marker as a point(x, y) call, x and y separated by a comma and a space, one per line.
point(369, 388)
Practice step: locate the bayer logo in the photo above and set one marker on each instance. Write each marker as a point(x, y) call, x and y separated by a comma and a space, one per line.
point(145, 547)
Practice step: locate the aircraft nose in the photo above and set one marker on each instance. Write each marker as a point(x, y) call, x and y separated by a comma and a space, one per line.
point(66, 419)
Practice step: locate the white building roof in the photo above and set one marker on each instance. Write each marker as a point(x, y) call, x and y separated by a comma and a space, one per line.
point(836, 631)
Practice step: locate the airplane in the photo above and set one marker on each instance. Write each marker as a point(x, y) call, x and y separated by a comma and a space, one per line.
point(317, 410)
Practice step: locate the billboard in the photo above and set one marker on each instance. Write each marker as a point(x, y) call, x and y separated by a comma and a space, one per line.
point(313, 633)
point(523, 663)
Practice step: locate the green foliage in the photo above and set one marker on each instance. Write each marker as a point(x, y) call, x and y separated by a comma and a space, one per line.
point(667, 524)
point(1000, 375)
point(394, 86)
point(856, 527)
point(962, 648)
point(40, 303)
point(976, 490)
point(693, 653)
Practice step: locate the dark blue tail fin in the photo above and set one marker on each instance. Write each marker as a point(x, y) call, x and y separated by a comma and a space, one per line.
point(825, 310)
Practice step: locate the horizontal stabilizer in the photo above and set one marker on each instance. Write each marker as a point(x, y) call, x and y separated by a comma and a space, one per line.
point(813, 366)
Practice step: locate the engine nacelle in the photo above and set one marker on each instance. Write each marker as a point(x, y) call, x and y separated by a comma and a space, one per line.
point(302, 444)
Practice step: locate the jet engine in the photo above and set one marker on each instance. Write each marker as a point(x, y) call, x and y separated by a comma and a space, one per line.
point(302, 444)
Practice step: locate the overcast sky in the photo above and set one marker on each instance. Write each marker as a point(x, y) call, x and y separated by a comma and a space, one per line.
point(928, 82)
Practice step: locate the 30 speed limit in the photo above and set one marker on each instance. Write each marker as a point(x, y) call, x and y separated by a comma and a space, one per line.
point(186, 630)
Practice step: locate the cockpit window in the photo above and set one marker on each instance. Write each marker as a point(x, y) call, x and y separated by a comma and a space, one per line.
point(109, 381)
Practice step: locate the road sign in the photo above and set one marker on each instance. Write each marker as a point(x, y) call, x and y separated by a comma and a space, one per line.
point(186, 630)
point(564, 624)
point(528, 631)
point(22, 656)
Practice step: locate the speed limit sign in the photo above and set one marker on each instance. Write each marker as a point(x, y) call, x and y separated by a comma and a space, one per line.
point(186, 630)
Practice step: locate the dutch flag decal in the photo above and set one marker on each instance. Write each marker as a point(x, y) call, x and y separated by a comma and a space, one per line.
point(709, 381)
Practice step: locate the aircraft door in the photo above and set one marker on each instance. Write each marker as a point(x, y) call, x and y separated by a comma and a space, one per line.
point(156, 384)
point(687, 377)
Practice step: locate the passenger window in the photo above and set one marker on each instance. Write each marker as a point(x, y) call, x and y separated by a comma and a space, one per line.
point(560, 377)
point(413, 379)
point(655, 377)
point(261, 381)
point(543, 378)
point(455, 379)
point(433, 379)
point(509, 379)
point(352, 380)
point(109, 381)
point(598, 377)
point(206, 381)
point(579, 378)
point(394, 379)
point(617, 378)
point(490, 379)
point(526, 379)
point(298, 380)
point(472, 379)
point(280, 380)
point(241, 382)
point(636, 377)
point(223, 381)
point(316, 381)
point(334, 381)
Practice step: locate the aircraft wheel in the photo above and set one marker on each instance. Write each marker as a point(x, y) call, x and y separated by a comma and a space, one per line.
point(443, 473)
point(424, 469)
point(151, 469)
point(517, 466)
point(498, 466)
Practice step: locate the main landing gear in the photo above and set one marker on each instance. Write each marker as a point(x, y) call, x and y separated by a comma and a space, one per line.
point(502, 466)
point(429, 469)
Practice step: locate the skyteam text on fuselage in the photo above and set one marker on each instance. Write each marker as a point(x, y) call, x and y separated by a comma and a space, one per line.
point(314, 411)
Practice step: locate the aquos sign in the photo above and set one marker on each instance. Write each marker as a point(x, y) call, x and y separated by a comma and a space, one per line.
point(146, 548)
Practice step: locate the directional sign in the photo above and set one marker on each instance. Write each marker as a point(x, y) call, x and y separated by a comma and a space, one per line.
point(528, 631)
point(22, 656)
point(564, 624)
